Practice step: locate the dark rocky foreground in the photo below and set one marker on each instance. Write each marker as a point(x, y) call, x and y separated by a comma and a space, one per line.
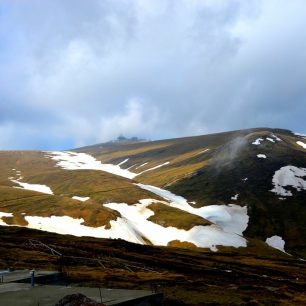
point(77, 300)
point(245, 276)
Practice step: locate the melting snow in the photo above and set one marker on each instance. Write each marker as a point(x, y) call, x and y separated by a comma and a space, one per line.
point(142, 165)
point(76, 161)
point(34, 187)
point(82, 199)
point(4, 214)
point(235, 197)
point(302, 144)
point(230, 222)
point(133, 227)
point(201, 236)
point(123, 162)
point(231, 218)
point(156, 167)
point(288, 176)
point(270, 139)
point(65, 225)
point(18, 174)
point(257, 141)
point(276, 242)
point(130, 167)
point(275, 137)
point(300, 135)
point(203, 151)
point(261, 156)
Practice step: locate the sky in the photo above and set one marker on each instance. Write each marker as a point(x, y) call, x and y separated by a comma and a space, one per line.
point(75, 72)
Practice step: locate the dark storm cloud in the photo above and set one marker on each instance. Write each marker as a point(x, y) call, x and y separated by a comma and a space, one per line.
point(78, 72)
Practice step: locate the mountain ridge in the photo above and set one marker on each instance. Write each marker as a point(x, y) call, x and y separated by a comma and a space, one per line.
point(215, 174)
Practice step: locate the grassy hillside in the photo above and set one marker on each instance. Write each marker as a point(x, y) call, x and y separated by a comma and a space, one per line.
point(224, 177)
point(170, 216)
point(257, 275)
point(35, 168)
point(211, 169)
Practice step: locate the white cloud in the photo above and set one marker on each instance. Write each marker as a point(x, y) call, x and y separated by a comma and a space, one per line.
point(83, 73)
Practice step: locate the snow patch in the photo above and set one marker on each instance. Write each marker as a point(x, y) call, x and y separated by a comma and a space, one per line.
point(123, 162)
point(276, 242)
point(4, 214)
point(261, 156)
point(275, 137)
point(288, 176)
point(302, 144)
point(77, 161)
point(131, 167)
point(230, 221)
point(257, 141)
point(65, 225)
point(33, 187)
point(82, 199)
point(156, 167)
point(142, 165)
point(300, 135)
point(235, 197)
point(272, 138)
point(201, 236)
point(204, 151)
point(231, 218)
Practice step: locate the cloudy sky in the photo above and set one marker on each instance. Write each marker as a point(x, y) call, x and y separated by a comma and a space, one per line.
point(75, 72)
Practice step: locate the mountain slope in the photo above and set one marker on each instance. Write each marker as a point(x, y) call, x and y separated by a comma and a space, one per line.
point(204, 191)
point(234, 167)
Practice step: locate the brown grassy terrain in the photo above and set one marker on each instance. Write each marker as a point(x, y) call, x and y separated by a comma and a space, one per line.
point(166, 216)
point(184, 154)
point(255, 275)
point(258, 275)
point(216, 175)
point(206, 177)
point(36, 168)
point(24, 202)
